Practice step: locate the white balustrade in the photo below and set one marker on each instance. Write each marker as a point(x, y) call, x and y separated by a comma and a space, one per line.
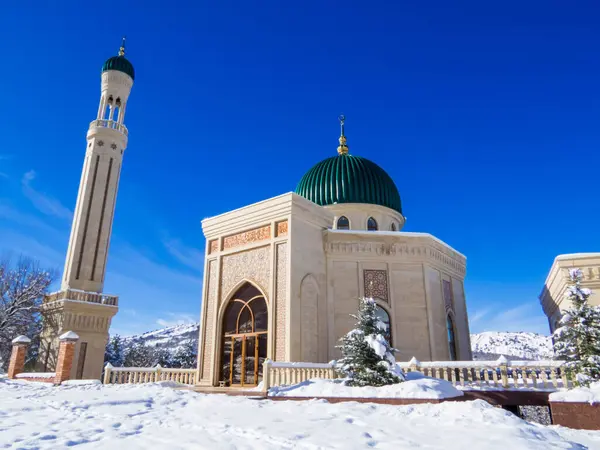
point(286, 373)
point(500, 374)
point(104, 123)
point(138, 375)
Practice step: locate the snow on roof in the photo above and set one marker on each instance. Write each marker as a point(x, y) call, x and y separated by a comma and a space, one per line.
point(69, 336)
point(577, 255)
point(21, 340)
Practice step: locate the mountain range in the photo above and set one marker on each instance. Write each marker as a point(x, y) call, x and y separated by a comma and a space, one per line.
point(486, 346)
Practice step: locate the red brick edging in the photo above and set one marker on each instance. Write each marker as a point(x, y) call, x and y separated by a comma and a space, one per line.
point(578, 415)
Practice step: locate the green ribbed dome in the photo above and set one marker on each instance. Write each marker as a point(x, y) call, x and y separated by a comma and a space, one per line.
point(119, 63)
point(349, 179)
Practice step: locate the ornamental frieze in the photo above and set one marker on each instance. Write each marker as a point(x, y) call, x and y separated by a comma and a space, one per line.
point(397, 249)
point(282, 228)
point(247, 237)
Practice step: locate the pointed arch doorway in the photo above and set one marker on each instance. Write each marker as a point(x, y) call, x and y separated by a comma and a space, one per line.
point(245, 333)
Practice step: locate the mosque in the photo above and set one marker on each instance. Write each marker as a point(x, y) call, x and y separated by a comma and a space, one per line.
point(282, 276)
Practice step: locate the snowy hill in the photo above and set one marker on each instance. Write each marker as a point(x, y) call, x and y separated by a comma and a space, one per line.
point(490, 345)
point(170, 337)
point(486, 346)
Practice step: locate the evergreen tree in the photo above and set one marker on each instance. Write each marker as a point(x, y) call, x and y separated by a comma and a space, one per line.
point(139, 355)
point(367, 357)
point(186, 355)
point(577, 340)
point(161, 356)
point(114, 353)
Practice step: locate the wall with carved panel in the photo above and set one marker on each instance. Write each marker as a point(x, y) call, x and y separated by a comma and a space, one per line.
point(404, 273)
point(553, 297)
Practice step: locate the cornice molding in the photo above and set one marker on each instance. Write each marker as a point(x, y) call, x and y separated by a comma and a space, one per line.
point(423, 249)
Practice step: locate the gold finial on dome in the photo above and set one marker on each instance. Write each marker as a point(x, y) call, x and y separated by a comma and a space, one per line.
point(122, 49)
point(343, 148)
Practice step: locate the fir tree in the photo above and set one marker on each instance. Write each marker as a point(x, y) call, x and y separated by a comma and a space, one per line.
point(367, 357)
point(114, 353)
point(577, 340)
point(186, 355)
point(139, 355)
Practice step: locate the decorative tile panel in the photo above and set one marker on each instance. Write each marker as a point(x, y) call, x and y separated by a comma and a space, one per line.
point(447, 288)
point(213, 246)
point(253, 265)
point(376, 284)
point(210, 311)
point(281, 307)
point(282, 228)
point(247, 237)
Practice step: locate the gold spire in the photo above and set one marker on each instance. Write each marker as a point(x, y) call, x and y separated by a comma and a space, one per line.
point(343, 148)
point(122, 49)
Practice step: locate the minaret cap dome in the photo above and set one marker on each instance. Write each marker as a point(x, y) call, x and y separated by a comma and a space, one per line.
point(119, 63)
point(349, 179)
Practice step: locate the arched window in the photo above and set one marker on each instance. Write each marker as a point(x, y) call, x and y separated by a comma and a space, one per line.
point(371, 224)
point(343, 223)
point(244, 347)
point(384, 317)
point(451, 337)
point(393, 226)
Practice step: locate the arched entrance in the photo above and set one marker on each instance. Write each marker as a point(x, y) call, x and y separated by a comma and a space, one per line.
point(244, 345)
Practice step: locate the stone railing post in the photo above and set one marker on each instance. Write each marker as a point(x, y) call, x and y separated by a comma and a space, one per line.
point(107, 372)
point(266, 374)
point(414, 365)
point(503, 364)
point(17, 357)
point(66, 352)
point(158, 373)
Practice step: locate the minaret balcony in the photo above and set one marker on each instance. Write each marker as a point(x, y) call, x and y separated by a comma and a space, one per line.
point(112, 124)
point(82, 296)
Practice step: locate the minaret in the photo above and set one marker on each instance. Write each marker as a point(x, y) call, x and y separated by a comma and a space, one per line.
point(85, 266)
point(80, 305)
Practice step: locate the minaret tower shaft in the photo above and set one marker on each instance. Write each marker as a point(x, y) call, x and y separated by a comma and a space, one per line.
point(85, 265)
point(80, 305)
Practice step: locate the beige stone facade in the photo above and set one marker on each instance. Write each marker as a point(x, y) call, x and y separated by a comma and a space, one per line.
point(553, 296)
point(312, 275)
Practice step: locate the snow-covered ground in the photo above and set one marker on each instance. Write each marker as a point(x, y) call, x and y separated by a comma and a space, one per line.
point(416, 386)
point(36, 415)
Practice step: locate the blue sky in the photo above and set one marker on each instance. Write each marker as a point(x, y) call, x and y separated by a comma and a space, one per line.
point(486, 116)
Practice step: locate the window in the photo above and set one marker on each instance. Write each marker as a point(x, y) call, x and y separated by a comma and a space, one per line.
point(451, 337)
point(384, 317)
point(343, 223)
point(81, 360)
point(371, 224)
point(393, 227)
